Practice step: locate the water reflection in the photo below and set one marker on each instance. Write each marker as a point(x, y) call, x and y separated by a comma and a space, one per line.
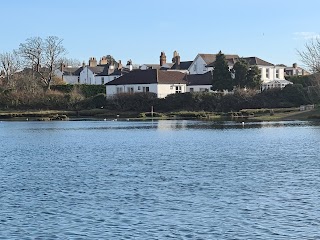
point(159, 180)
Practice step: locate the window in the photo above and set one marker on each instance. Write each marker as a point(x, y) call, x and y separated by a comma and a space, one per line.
point(277, 73)
point(204, 90)
point(102, 80)
point(191, 90)
point(267, 72)
point(130, 89)
point(119, 90)
point(139, 88)
point(145, 89)
point(178, 89)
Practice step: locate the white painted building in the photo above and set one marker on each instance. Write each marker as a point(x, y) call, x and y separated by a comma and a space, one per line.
point(275, 84)
point(201, 64)
point(99, 75)
point(70, 75)
point(160, 82)
point(199, 82)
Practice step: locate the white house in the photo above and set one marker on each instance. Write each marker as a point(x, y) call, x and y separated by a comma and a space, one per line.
point(157, 81)
point(275, 84)
point(295, 70)
point(201, 64)
point(199, 82)
point(268, 71)
point(70, 75)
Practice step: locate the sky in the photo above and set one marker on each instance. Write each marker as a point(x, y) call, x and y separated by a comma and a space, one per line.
point(272, 30)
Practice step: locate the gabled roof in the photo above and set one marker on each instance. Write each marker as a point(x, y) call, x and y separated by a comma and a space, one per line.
point(230, 61)
point(98, 69)
point(152, 66)
point(209, 58)
point(72, 71)
point(199, 79)
point(257, 61)
point(250, 60)
point(183, 65)
point(150, 76)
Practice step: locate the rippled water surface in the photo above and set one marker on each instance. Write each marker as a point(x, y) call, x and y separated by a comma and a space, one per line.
point(159, 180)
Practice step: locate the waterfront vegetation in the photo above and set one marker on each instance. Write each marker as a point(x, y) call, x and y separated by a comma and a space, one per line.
point(25, 96)
point(65, 102)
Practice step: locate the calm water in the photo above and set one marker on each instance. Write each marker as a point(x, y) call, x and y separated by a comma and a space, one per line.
point(159, 180)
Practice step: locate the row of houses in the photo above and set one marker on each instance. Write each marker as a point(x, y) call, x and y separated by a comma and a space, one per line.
point(167, 78)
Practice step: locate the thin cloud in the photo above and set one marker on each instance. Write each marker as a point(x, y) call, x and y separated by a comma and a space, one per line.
point(306, 35)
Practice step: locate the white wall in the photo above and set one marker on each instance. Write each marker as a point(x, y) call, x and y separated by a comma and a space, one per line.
point(166, 89)
point(200, 88)
point(98, 79)
point(69, 79)
point(272, 73)
point(87, 76)
point(162, 90)
point(198, 66)
point(111, 90)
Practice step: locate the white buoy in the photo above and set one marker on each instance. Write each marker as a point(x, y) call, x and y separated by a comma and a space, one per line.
point(242, 123)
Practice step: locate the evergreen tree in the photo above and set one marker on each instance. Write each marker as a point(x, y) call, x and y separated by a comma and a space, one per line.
point(240, 70)
point(253, 78)
point(221, 76)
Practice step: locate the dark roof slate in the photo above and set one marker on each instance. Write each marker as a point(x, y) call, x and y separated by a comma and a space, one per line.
point(183, 65)
point(209, 58)
point(199, 79)
point(257, 61)
point(149, 76)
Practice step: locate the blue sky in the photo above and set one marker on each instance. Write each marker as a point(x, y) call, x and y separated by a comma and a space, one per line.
point(139, 30)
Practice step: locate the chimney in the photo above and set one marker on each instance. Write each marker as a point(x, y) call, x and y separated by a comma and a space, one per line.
point(119, 65)
point(103, 61)
point(175, 54)
point(294, 65)
point(176, 59)
point(92, 62)
point(163, 59)
point(83, 64)
point(129, 65)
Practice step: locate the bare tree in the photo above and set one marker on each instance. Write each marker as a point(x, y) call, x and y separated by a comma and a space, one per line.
point(42, 56)
point(69, 62)
point(10, 64)
point(311, 55)
point(32, 52)
point(54, 51)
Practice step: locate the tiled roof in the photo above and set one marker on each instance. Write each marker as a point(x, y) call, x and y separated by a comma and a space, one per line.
point(98, 69)
point(209, 58)
point(250, 60)
point(230, 61)
point(257, 61)
point(71, 71)
point(149, 76)
point(199, 79)
point(153, 66)
point(182, 66)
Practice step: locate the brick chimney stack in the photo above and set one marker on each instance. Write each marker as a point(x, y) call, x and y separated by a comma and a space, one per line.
point(163, 59)
point(92, 62)
point(176, 59)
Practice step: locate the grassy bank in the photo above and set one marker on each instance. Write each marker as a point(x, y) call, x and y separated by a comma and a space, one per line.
point(243, 115)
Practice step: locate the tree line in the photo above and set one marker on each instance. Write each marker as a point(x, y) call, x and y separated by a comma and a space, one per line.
point(240, 76)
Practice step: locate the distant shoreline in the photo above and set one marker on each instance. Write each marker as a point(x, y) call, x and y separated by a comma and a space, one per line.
point(102, 114)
